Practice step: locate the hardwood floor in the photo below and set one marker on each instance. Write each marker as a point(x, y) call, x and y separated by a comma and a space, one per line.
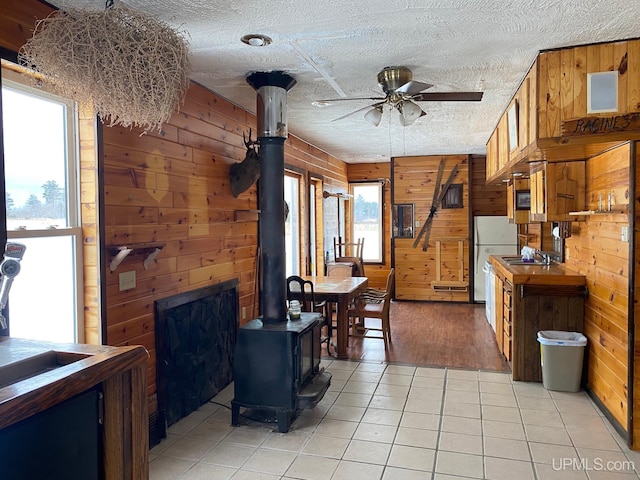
point(434, 334)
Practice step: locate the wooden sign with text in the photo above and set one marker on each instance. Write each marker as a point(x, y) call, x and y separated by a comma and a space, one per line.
point(597, 125)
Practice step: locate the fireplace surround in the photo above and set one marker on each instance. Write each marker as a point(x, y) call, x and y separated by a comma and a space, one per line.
point(196, 334)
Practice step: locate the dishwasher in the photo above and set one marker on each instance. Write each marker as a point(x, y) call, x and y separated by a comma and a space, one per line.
point(490, 299)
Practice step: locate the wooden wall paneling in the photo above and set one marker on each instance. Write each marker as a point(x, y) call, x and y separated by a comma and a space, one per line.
point(414, 182)
point(635, 275)
point(633, 76)
point(596, 250)
point(550, 76)
point(486, 198)
point(17, 21)
point(620, 52)
point(174, 188)
point(567, 96)
point(579, 83)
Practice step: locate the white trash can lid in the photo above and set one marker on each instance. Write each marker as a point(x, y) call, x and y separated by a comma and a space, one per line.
point(556, 337)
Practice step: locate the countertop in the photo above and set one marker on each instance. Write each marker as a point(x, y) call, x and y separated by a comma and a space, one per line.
point(79, 368)
point(554, 274)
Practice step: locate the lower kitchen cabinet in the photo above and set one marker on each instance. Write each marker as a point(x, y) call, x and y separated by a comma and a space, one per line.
point(542, 307)
point(524, 309)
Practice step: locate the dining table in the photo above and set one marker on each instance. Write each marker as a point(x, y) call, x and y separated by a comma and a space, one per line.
point(341, 291)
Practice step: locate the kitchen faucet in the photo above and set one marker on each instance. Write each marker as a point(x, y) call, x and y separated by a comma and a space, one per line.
point(545, 256)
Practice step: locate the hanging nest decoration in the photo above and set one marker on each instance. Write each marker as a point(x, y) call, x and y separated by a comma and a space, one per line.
point(131, 68)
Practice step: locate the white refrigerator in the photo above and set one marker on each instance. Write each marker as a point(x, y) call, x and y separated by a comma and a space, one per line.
point(491, 236)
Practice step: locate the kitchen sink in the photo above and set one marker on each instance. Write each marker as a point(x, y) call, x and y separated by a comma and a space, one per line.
point(518, 261)
point(19, 364)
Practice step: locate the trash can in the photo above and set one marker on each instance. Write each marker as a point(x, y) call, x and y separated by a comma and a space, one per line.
point(561, 356)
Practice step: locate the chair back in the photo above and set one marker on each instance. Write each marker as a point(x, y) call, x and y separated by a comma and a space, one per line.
point(341, 270)
point(301, 290)
point(391, 278)
point(347, 249)
point(349, 252)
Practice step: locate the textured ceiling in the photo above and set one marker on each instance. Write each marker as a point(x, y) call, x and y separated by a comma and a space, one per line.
point(336, 48)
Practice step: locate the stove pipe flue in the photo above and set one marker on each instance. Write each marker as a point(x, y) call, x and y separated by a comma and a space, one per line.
point(272, 90)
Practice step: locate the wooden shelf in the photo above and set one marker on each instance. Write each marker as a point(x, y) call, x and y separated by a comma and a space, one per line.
point(120, 252)
point(613, 211)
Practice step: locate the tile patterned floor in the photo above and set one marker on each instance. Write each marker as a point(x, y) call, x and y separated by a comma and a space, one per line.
point(394, 422)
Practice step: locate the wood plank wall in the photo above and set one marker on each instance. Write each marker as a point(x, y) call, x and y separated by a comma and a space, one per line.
point(562, 81)
point(414, 180)
point(486, 198)
point(173, 188)
point(596, 250)
point(635, 427)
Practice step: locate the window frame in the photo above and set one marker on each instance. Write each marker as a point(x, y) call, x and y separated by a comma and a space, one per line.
point(17, 82)
point(352, 227)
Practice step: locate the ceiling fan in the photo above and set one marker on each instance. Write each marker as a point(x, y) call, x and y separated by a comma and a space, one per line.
point(401, 93)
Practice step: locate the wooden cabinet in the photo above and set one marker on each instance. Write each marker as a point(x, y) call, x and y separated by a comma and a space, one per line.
point(542, 307)
point(497, 312)
point(548, 120)
point(503, 314)
point(507, 320)
point(517, 194)
point(529, 300)
point(556, 190)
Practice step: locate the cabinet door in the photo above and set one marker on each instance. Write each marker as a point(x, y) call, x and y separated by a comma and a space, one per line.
point(499, 303)
point(538, 201)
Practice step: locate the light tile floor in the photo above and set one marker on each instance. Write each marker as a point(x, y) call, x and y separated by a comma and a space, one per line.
point(394, 422)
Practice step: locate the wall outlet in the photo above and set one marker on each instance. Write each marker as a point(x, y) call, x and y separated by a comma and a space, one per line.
point(417, 223)
point(244, 313)
point(625, 234)
point(127, 280)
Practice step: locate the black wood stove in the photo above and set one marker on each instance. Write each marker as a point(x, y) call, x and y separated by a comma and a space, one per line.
point(277, 361)
point(277, 369)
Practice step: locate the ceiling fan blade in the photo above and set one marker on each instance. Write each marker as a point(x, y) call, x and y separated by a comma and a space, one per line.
point(331, 100)
point(412, 87)
point(448, 97)
point(359, 110)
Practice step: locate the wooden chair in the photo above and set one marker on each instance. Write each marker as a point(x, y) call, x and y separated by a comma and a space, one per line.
point(373, 303)
point(349, 252)
point(341, 269)
point(302, 290)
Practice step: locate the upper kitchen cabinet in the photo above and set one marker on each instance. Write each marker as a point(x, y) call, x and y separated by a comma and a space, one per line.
point(518, 201)
point(556, 190)
point(574, 103)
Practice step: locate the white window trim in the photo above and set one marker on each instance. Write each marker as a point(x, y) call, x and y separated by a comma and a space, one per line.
point(15, 81)
point(380, 187)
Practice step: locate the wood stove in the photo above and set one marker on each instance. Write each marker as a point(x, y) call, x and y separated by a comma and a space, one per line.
point(277, 360)
point(277, 369)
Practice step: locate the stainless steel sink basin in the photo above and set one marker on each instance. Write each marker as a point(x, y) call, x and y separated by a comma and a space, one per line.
point(19, 364)
point(518, 261)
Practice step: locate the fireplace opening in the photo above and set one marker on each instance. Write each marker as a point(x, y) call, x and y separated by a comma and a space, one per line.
point(196, 335)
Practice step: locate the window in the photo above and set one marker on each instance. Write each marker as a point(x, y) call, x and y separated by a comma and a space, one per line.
point(292, 225)
point(366, 214)
point(40, 152)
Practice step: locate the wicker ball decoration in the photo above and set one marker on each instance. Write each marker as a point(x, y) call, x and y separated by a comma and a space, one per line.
point(131, 68)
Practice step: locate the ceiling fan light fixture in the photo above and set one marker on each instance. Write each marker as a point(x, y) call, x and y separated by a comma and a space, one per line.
point(374, 116)
point(409, 112)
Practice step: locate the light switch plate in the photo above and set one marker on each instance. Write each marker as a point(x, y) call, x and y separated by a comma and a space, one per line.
point(127, 280)
point(625, 234)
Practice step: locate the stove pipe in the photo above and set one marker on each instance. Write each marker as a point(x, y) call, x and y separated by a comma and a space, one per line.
point(272, 90)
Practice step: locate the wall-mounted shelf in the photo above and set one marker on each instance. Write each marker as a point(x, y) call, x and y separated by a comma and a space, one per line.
point(613, 211)
point(120, 252)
